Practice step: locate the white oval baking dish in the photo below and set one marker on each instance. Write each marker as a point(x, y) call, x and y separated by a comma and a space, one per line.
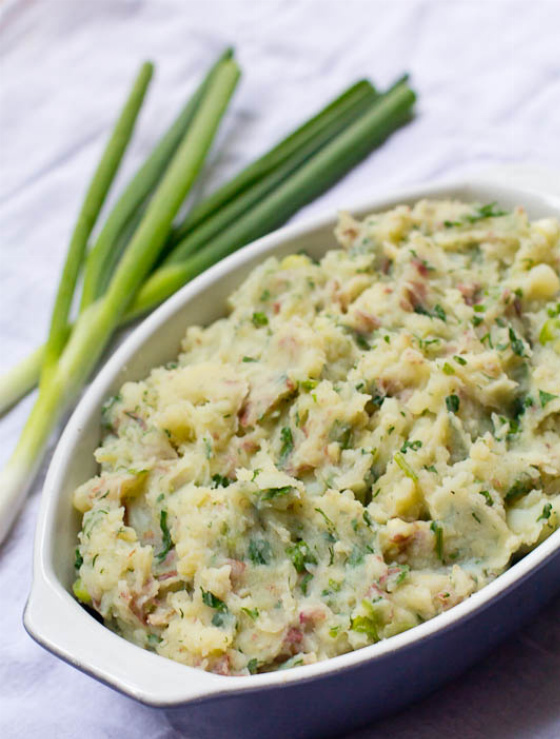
point(316, 700)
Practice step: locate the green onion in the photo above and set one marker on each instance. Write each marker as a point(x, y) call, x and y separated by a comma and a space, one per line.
point(452, 403)
point(166, 540)
point(212, 601)
point(96, 324)
point(20, 379)
point(93, 202)
point(437, 530)
point(545, 397)
point(115, 235)
point(228, 214)
point(310, 132)
point(124, 217)
point(405, 467)
point(309, 181)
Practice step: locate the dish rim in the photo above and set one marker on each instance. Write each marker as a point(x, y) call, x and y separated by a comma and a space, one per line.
point(155, 680)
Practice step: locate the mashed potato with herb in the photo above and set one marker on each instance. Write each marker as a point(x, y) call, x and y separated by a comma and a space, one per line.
point(360, 445)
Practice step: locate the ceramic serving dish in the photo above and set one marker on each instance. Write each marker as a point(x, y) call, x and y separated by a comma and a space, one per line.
point(317, 700)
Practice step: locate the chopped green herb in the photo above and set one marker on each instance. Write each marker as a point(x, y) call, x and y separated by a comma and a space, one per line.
point(154, 639)
point(439, 312)
point(220, 481)
point(341, 433)
point(430, 468)
point(460, 360)
point(78, 559)
point(546, 397)
point(361, 340)
point(253, 613)
point(403, 574)
point(452, 403)
point(367, 519)
point(212, 601)
point(330, 525)
point(487, 496)
point(523, 485)
point(356, 557)
point(249, 359)
point(252, 665)
point(271, 493)
point(546, 513)
point(550, 330)
point(287, 440)
point(218, 619)
point(476, 517)
point(260, 319)
point(438, 534)
point(479, 214)
point(265, 295)
point(479, 308)
point(260, 551)
point(448, 369)
point(517, 345)
point(301, 556)
point(414, 445)
point(405, 467)
point(477, 320)
point(514, 427)
point(308, 384)
point(366, 624)
point(167, 541)
point(334, 585)
point(305, 580)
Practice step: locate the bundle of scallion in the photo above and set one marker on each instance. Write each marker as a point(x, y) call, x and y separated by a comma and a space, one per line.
point(140, 256)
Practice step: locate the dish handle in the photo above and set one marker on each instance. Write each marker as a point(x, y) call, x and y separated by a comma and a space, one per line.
point(57, 622)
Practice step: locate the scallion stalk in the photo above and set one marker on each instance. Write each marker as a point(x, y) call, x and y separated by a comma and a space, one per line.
point(96, 324)
point(21, 378)
point(362, 92)
point(229, 212)
point(93, 202)
point(105, 253)
point(314, 177)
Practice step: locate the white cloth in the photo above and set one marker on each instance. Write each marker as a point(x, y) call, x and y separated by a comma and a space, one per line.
point(488, 75)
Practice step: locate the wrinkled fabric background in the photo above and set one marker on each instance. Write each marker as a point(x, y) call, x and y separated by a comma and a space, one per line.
point(488, 74)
